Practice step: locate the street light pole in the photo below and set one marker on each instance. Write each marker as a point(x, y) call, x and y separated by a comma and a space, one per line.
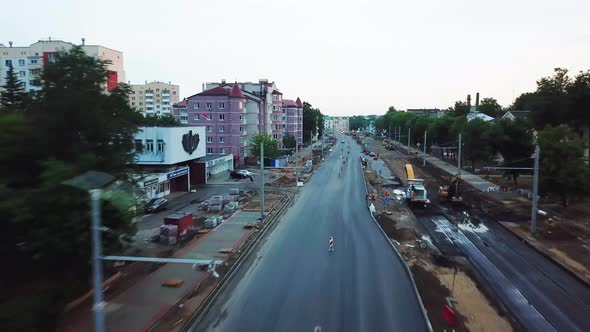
point(535, 191)
point(262, 181)
point(459, 157)
point(296, 160)
point(409, 141)
point(424, 161)
point(99, 322)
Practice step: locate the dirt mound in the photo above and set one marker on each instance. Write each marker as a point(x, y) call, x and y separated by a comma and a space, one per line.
point(284, 180)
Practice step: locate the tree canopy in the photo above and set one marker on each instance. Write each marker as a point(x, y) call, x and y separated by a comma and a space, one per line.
point(13, 93)
point(271, 148)
point(289, 141)
point(71, 126)
point(165, 120)
point(313, 121)
point(490, 106)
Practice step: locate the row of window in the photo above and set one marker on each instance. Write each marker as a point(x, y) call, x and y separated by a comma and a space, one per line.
point(149, 145)
point(221, 129)
point(21, 62)
point(223, 151)
point(209, 106)
point(197, 117)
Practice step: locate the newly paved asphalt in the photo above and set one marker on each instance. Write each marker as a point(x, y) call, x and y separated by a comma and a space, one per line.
point(293, 283)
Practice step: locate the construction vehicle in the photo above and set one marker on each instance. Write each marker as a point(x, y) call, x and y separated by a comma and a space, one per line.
point(416, 193)
point(452, 192)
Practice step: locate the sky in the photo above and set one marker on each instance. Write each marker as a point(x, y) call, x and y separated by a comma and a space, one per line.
point(344, 57)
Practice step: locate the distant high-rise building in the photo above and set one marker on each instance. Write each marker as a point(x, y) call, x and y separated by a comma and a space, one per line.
point(336, 124)
point(28, 61)
point(154, 98)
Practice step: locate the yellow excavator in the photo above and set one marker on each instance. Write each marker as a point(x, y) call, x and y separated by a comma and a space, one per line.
point(452, 192)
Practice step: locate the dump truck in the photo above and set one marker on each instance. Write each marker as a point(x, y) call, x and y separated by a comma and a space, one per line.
point(452, 192)
point(416, 193)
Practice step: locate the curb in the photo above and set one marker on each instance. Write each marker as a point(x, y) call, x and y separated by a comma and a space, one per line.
point(200, 313)
point(424, 312)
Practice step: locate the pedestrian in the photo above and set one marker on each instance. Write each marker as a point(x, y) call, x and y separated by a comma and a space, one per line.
point(251, 178)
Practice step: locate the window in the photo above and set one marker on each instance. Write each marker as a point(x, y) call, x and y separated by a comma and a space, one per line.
point(157, 95)
point(149, 145)
point(173, 92)
point(21, 62)
point(160, 145)
point(222, 150)
point(140, 98)
point(283, 126)
point(209, 139)
point(34, 71)
point(196, 117)
point(241, 128)
point(132, 103)
point(221, 117)
point(240, 116)
point(138, 145)
point(33, 61)
point(140, 103)
point(242, 151)
point(275, 117)
point(209, 116)
point(22, 73)
point(209, 150)
point(184, 118)
point(222, 139)
point(8, 62)
point(221, 106)
point(275, 136)
point(208, 129)
point(221, 129)
point(208, 106)
point(274, 108)
point(157, 90)
point(241, 139)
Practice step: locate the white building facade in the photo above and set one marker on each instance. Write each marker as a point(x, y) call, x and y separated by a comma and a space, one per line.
point(28, 61)
point(336, 124)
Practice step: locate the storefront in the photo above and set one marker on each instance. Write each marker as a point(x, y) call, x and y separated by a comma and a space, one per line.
point(213, 167)
point(156, 185)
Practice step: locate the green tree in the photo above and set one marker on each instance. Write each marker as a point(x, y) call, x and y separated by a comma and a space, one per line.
point(514, 141)
point(271, 149)
point(289, 141)
point(477, 141)
point(524, 102)
point(357, 122)
point(460, 109)
point(562, 167)
point(552, 102)
point(490, 106)
point(165, 120)
point(13, 93)
point(71, 127)
point(313, 122)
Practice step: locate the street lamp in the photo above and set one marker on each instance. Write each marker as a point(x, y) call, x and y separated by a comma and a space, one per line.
point(92, 182)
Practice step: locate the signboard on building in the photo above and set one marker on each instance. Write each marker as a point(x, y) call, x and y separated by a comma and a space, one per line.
point(177, 173)
point(150, 182)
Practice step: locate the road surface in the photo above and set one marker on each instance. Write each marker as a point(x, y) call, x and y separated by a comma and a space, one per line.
point(293, 283)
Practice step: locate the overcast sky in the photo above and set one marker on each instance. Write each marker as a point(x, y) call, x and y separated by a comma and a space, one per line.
point(345, 57)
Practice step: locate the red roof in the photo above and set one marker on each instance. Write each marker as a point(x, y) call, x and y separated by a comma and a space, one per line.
point(181, 103)
point(289, 103)
point(299, 104)
point(218, 91)
point(236, 92)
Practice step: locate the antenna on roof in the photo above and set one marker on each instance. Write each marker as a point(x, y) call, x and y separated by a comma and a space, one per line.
point(49, 38)
point(83, 41)
point(10, 43)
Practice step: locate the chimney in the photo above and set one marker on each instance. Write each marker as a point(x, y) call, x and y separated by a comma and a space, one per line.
point(468, 100)
point(83, 41)
point(145, 82)
point(10, 43)
point(203, 87)
point(476, 100)
point(223, 81)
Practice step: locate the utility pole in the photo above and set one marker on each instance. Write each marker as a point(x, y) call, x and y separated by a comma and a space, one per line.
point(424, 161)
point(262, 181)
point(535, 191)
point(297, 159)
point(409, 141)
point(399, 135)
point(99, 323)
point(459, 157)
point(389, 131)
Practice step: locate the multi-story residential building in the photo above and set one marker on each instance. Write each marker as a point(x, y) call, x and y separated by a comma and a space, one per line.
point(223, 110)
point(28, 61)
point(336, 124)
point(429, 112)
point(293, 124)
point(267, 93)
point(154, 98)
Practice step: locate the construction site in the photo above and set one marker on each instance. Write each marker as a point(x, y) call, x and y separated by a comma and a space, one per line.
point(463, 248)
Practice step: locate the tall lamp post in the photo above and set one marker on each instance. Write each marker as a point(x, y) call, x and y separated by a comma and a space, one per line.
point(92, 182)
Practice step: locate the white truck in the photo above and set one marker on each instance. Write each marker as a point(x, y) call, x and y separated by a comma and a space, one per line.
point(416, 193)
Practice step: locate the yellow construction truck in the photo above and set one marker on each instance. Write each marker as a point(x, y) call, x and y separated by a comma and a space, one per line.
point(416, 193)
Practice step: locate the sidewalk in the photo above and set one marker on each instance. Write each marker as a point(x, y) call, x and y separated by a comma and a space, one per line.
point(140, 306)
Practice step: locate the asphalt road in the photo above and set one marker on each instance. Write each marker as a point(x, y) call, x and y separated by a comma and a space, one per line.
point(294, 283)
point(540, 295)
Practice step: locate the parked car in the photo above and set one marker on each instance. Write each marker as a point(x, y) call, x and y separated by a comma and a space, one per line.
point(155, 205)
point(236, 175)
point(372, 154)
point(246, 173)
